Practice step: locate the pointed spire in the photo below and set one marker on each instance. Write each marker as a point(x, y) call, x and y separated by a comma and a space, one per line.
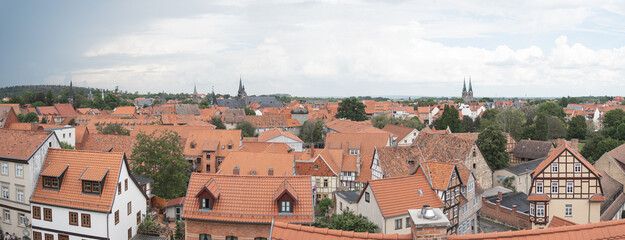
point(464, 86)
point(470, 86)
point(194, 90)
point(213, 97)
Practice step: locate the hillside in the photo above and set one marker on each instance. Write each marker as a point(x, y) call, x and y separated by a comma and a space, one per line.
point(19, 90)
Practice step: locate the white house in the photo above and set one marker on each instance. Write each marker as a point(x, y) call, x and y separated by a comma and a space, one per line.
point(65, 134)
point(86, 195)
point(22, 154)
point(279, 136)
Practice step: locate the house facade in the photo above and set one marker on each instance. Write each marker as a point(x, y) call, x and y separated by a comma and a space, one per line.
point(206, 149)
point(324, 172)
point(276, 135)
point(22, 156)
point(86, 195)
point(567, 186)
point(446, 182)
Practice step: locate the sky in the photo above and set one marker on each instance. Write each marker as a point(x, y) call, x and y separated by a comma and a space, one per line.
point(532, 48)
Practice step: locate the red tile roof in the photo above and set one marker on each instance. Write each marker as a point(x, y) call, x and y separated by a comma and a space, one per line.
point(348, 126)
point(602, 230)
point(365, 142)
point(556, 153)
point(438, 173)
point(270, 147)
point(21, 144)
point(65, 109)
point(395, 161)
point(48, 110)
point(249, 199)
point(211, 140)
point(597, 198)
point(398, 194)
point(538, 197)
point(271, 121)
point(559, 222)
point(252, 163)
point(127, 110)
point(274, 133)
point(398, 131)
point(285, 231)
point(443, 147)
point(109, 143)
point(175, 201)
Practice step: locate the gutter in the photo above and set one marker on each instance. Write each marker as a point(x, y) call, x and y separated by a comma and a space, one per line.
point(271, 230)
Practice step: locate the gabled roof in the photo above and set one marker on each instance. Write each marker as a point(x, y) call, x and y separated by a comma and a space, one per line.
point(396, 195)
point(395, 160)
point(559, 222)
point(439, 174)
point(21, 144)
point(249, 199)
point(525, 167)
point(350, 196)
point(556, 153)
point(47, 110)
point(208, 139)
point(109, 143)
point(285, 231)
point(398, 131)
point(70, 193)
point(274, 133)
point(270, 147)
point(443, 147)
point(618, 153)
point(348, 126)
point(285, 188)
point(532, 149)
point(367, 143)
point(174, 202)
point(210, 187)
point(126, 110)
point(65, 109)
point(252, 163)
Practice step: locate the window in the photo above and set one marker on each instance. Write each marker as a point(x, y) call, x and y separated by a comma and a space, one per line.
point(19, 170)
point(570, 187)
point(539, 187)
point(129, 207)
point(21, 218)
point(119, 188)
point(577, 167)
point(471, 186)
point(206, 203)
point(285, 206)
point(36, 235)
point(540, 210)
point(138, 217)
point(475, 201)
point(36, 212)
point(116, 217)
point(354, 151)
point(205, 237)
point(316, 167)
point(231, 238)
point(366, 197)
point(51, 182)
point(49, 236)
point(531, 209)
point(554, 187)
point(63, 237)
point(398, 224)
point(474, 153)
point(464, 209)
point(229, 147)
point(407, 222)
point(474, 166)
point(73, 218)
point(20, 195)
point(49, 145)
point(90, 187)
point(126, 184)
point(47, 214)
point(5, 168)
point(325, 182)
point(129, 233)
point(192, 145)
point(520, 180)
point(568, 210)
point(5, 192)
point(7, 215)
point(554, 167)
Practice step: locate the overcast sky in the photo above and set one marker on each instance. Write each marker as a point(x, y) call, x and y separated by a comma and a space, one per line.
point(319, 48)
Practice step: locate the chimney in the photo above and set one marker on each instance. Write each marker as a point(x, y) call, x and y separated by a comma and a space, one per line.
point(561, 142)
point(575, 144)
point(500, 195)
point(236, 170)
point(270, 172)
point(428, 223)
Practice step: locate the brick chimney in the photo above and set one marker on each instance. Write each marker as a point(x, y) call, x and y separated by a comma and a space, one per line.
point(500, 195)
point(428, 223)
point(236, 170)
point(270, 172)
point(575, 144)
point(561, 142)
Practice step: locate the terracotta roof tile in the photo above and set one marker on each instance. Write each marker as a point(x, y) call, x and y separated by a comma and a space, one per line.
point(538, 197)
point(65, 109)
point(269, 147)
point(398, 131)
point(284, 188)
point(54, 170)
point(94, 173)
point(109, 143)
point(126, 110)
point(70, 192)
point(398, 194)
point(348, 126)
point(206, 139)
point(175, 201)
point(398, 161)
point(21, 144)
point(439, 174)
point(252, 163)
point(274, 133)
point(249, 199)
point(559, 222)
point(366, 142)
point(597, 198)
point(47, 110)
point(285, 231)
point(443, 147)
point(270, 121)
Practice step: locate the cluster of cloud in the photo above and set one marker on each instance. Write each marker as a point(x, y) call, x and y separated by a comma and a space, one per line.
point(343, 48)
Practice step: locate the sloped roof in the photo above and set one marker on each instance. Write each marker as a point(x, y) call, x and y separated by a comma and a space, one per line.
point(70, 192)
point(350, 196)
point(512, 198)
point(21, 144)
point(532, 149)
point(395, 160)
point(109, 143)
point(614, 208)
point(271, 121)
point(348, 126)
point(285, 231)
point(398, 131)
point(205, 139)
point(187, 109)
point(274, 133)
point(249, 199)
point(366, 142)
point(525, 167)
point(618, 153)
point(438, 173)
point(47, 110)
point(556, 153)
point(396, 195)
point(270, 147)
point(174, 202)
point(443, 147)
point(126, 110)
point(259, 163)
point(65, 109)
point(559, 222)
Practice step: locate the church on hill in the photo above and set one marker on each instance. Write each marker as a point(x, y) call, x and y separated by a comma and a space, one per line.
point(242, 100)
point(467, 96)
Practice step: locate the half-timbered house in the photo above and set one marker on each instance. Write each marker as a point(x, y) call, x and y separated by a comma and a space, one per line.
point(446, 182)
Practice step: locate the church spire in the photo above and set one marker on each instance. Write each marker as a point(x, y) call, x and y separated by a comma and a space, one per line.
point(241, 93)
point(213, 97)
point(70, 95)
point(470, 86)
point(464, 86)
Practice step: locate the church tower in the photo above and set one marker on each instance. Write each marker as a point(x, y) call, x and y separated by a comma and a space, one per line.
point(195, 96)
point(242, 95)
point(470, 93)
point(213, 97)
point(464, 90)
point(70, 95)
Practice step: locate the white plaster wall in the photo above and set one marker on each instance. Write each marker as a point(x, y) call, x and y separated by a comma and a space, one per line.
point(295, 145)
point(60, 222)
point(134, 195)
point(371, 210)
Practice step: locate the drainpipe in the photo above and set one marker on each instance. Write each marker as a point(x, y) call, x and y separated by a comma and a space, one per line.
point(271, 230)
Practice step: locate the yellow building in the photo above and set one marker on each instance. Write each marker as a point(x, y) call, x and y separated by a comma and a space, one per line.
point(567, 186)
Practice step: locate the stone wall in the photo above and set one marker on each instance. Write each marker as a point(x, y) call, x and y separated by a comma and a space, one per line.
point(508, 216)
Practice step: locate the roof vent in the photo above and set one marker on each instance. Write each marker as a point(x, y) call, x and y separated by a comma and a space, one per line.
point(427, 212)
point(420, 192)
point(253, 172)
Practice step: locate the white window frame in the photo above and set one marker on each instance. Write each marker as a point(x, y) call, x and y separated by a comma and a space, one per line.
point(5, 192)
point(475, 201)
point(531, 209)
point(21, 219)
point(577, 167)
point(570, 186)
point(540, 186)
point(7, 216)
point(540, 210)
point(285, 206)
point(555, 185)
point(568, 210)
point(19, 170)
point(354, 151)
point(5, 168)
point(398, 224)
point(20, 195)
point(554, 168)
point(471, 186)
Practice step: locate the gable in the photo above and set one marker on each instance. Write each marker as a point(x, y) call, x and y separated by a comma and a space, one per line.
point(308, 167)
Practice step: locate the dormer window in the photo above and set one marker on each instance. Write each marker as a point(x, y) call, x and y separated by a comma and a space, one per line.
point(354, 151)
point(285, 206)
point(193, 144)
point(91, 187)
point(229, 147)
point(51, 182)
point(206, 204)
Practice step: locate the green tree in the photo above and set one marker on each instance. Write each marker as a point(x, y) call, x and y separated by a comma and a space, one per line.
point(180, 230)
point(113, 129)
point(247, 129)
point(43, 120)
point(312, 131)
point(551, 109)
point(72, 122)
point(159, 157)
point(352, 109)
point(508, 183)
point(323, 206)
point(542, 127)
point(577, 127)
point(490, 114)
point(348, 221)
point(563, 102)
point(468, 125)
point(204, 103)
point(218, 123)
point(49, 98)
point(249, 112)
point(450, 118)
point(65, 145)
point(511, 121)
point(529, 133)
point(613, 118)
point(149, 225)
point(379, 121)
point(414, 123)
point(28, 118)
point(492, 143)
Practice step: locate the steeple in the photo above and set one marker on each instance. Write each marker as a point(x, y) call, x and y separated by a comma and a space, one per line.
point(195, 95)
point(163, 100)
point(464, 86)
point(213, 97)
point(470, 86)
point(70, 95)
point(90, 95)
point(241, 93)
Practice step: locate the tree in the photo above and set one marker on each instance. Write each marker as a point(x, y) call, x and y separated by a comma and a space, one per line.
point(613, 117)
point(492, 143)
point(65, 145)
point(249, 112)
point(352, 109)
point(180, 230)
point(529, 132)
point(577, 127)
point(149, 225)
point(218, 123)
point(43, 120)
point(551, 109)
point(113, 129)
point(542, 127)
point(490, 114)
point(28, 118)
point(323, 206)
point(312, 131)
point(468, 125)
point(247, 129)
point(379, 121)
point(49, 98)
point(450, 118)
point(348, 221)
point(72, 122)
point(414, 123)
point(511, 121)
point(159, 157)
point(508, 183)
